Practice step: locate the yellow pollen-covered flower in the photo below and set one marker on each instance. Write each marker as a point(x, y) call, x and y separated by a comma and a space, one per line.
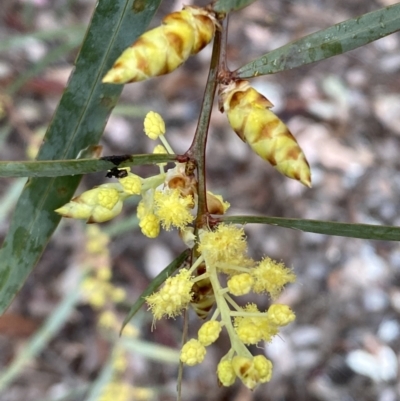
point(193, 352)
point(280, 315)
point(174, 296)
point(132, 184)
point(225, 244)
point(172, 209)
point(253, 371)
point(226, 374)
point(253, 329)
point(150, 225)
point(209, 332)
point(154, 125)
point(240, 284)
point(271, 276)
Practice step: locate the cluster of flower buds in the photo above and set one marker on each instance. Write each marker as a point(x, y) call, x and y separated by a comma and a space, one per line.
point(249, 116)
point(163, 49)
point(223, 251)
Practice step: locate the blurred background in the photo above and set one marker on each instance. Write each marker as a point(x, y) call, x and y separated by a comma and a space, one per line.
point(59, 338)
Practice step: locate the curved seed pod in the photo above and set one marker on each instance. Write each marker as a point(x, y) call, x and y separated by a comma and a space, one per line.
point(249, 116)
point(163, 49)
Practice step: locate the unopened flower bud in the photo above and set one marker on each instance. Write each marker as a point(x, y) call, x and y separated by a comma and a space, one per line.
point(154, 125)
point(163, 49)
point(249, 116)
point(96, 205)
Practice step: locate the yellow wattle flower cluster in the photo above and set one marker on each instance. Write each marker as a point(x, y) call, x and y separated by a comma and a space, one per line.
point(224, 251)
point(163, 49)
point(168, 200)
point(249, 116)
point(175, 295)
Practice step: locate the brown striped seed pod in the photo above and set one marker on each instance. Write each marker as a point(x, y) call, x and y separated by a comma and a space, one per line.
point(249, 116)
point(163, 49)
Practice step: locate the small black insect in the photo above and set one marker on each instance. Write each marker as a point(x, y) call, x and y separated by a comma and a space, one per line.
point(117, 173)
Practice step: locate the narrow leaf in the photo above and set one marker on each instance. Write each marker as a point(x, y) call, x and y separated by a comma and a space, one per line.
point(337, 39)
point(78, 122)
point(225, 6)
point(57, 168)
point(155, 283)
point(363, 231)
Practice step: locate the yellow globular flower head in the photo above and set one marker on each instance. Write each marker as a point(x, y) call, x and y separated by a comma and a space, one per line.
point(132, 184)
point(271, 276)
point(160, 150)
point(225, 372)
point(96, 205)
point(253, 329)
point(117, 294)
point(173, 297)
point(249, 116)
point(154, 125)
point(97, 241)
point(209, 332)
point(172, 209)
point(130, 331)
point(94, 291)
point(150, 225)
point(193, 352)
point(104, 273)
point(264, 368)
point(227, 243)
point(120, 361)
point(98, 298)
point(280, 315)
point(163, 49)
point(252, 371)
point(240, 284)
point(108, 320)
